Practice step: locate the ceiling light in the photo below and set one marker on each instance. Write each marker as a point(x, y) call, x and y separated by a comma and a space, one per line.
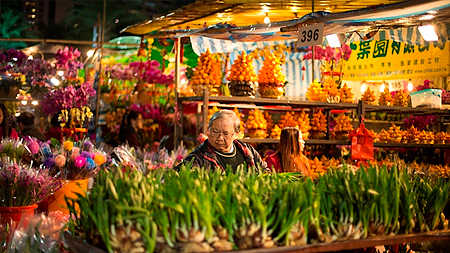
point(54, 81)
point(382, 87)
point(35, 102)
point(428, 33)
point(267, 19)
point(333, 40)
point(363, 87)
point(90, 53)
point(265, 8)
point(427, 17)
point(24, 102)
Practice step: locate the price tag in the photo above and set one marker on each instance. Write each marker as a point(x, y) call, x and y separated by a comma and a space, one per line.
point(310, 35)
point(395, 86)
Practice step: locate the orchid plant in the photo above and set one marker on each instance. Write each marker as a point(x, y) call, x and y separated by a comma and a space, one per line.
point(67, 59)
point(333, 59)
point(12, 61)
point(72, 102)
point(145, 77)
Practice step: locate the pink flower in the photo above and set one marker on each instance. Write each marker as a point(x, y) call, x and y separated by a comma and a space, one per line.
point(33, 147)
point(80, 161)
point(76, 151)
point(60, 160)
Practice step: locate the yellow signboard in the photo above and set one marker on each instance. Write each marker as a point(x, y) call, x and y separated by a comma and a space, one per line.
point(387, 60)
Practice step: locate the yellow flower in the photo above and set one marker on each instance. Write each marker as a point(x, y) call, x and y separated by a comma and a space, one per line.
point(99, 159)
point(68, 145)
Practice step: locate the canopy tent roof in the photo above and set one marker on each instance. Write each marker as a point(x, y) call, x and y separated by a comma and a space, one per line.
point(393, 17)
point(239, 13)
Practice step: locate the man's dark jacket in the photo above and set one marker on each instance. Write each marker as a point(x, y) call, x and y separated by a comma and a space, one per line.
point(205, 157)
point(33, 131)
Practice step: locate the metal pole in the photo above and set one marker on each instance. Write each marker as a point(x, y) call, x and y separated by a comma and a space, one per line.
point(313, 47)
point(177, 83)
point(102, 38)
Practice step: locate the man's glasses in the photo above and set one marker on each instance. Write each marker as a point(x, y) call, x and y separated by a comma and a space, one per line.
point(216, 134)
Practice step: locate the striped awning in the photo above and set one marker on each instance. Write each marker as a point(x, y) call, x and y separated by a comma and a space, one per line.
point(409, 35)
point(200, 44)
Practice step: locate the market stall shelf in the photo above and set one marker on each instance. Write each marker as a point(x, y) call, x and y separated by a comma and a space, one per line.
point(276, 108)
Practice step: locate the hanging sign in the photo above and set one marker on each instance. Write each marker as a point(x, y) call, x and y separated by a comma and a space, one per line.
point(310, 35)
point(390, 60)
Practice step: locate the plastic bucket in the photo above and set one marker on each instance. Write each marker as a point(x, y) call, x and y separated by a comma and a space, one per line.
point(16, 213)
point(57, 200)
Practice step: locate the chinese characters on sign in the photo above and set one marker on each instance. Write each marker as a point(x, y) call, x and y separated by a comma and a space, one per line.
point(385, 59)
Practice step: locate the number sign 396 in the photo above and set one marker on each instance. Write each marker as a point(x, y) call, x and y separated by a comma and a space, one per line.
point(310, 35)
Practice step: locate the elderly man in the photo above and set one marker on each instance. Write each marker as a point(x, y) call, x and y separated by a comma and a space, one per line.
point(222, 149)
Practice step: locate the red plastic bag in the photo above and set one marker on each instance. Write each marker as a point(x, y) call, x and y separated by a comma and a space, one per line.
point(362, 143)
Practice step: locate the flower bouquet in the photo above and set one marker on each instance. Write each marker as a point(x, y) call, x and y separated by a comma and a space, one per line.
point(74, 160)
point(21, 188)
point(22, 185)
point(129, 157)
point(25, 150)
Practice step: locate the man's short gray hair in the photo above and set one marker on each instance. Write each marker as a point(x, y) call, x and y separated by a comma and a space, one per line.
point(226, 114)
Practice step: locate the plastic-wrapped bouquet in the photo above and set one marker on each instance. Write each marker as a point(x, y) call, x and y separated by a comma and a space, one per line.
point(41, 234)
point(23, 185)
point(164, 159)
point(25, 150)
point(75, 160)
point(146, 161)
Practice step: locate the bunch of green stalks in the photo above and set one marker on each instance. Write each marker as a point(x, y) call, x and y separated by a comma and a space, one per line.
point(199, 210)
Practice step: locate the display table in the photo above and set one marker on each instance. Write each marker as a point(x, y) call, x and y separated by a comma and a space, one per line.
point(79, 246)
point(357, 244)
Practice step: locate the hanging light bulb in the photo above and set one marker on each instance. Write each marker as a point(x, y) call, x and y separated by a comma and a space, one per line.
point(54, 81)
point(363, 87)
point(382, 87)
point(410, 85)
point(267, 19)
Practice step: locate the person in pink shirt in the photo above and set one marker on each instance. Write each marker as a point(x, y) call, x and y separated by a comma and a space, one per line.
point(5, 128)
point(290, 157)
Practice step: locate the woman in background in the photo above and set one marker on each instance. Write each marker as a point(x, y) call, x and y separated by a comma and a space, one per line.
point(5, 128)
point(132, 122)
point(289, 157)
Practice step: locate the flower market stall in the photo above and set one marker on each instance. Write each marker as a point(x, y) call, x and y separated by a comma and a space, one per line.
point(139, 203)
